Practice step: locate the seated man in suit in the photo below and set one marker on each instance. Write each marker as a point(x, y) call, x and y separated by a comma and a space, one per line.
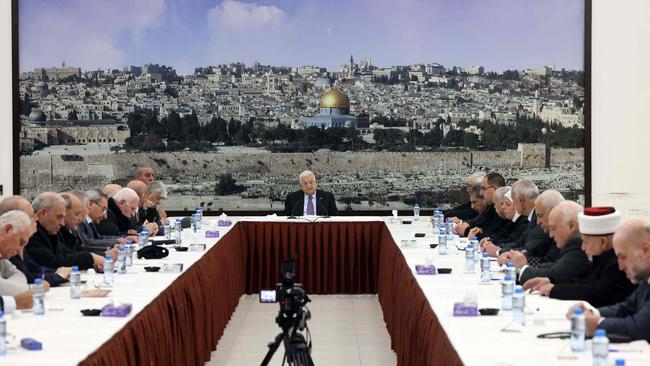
point(606, 284)
point(310, 200)
point(141, 214)
point(110, 189)
point(517, 223)
point(97, 206)
point(489, 222)
point(631, 317)
point(122, 208)
point(153, 211)
point(572, 262)
point(52, 277)
point(15, 230)
point(46, 247)
point(465, 211)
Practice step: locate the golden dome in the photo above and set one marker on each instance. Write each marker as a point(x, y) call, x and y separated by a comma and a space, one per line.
point(334, 98)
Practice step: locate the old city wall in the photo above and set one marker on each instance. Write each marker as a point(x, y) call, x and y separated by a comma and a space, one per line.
point(96, 170)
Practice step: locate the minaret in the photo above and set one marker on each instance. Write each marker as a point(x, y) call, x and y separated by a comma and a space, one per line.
point(351, 68)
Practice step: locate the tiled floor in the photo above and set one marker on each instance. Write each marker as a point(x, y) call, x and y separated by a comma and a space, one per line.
point(345, 329)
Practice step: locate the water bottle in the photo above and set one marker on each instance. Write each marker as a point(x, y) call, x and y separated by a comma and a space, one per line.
point(129, 253)
point(469, 258)
point(436, 230)
point(177, 233)
point(511, 270)
point(194, 224)
point(442, 243)
point(507, 288)
point(3, 334)
point(143, 238)
point(450, 225)
point(435, 221)
point(451, 241)
point(578, 330)
point(167, 229)
point(416, 212)
point(486, 276)
point(121, 260)
point(38, 295)
point(199, 218)
point(108, 269)
point(75, 283)
point(518, 305)
point(600, 348)
point(477, 249)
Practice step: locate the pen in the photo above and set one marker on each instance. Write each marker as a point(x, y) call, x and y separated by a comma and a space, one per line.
point(626, 350)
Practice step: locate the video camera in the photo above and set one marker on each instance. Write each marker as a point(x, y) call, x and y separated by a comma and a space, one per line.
point(291, 295)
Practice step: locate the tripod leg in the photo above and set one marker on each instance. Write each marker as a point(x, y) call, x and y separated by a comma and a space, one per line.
point(273, 346)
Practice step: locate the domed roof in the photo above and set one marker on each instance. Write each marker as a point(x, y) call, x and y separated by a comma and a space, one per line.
point(42, 84)
point(37, 116)
point(334, 98)
point(323, 81)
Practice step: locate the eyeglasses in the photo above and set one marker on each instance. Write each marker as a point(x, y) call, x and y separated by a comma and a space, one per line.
point(486, 188)
point(104, 208)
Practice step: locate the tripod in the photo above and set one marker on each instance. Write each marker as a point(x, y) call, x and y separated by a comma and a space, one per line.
point(297, 352)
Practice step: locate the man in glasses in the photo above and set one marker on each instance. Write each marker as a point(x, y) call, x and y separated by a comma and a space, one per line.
point(466, 211)
point(96, 210)
point(489, 221)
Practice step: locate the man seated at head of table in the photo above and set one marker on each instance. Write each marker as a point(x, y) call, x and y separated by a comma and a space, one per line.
point(51, 277)
point(15, 230)
point(517, 223)
point(141, 214)
point(605, 284)
point(489, 222)
point(46, 247)
point(465, 210)
point(631, 317)
point(572, 261)
point(309, 200)
point(122, 208)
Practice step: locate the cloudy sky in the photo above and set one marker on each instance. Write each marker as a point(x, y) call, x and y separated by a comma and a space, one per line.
point(497, 34)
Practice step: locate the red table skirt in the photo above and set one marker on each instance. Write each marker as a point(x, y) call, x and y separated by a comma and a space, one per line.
point(184, 323)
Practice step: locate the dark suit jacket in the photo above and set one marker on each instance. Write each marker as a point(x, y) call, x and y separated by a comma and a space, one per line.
point(91, 237)
point(489, 221)
point(512, 231)
point(116, 224)
point(23, 266)
point(630, 317)
point(326, 205)
point(605, 284)
point(572, 263)
point(534, 241)
point(464, 212)
point(49, 251)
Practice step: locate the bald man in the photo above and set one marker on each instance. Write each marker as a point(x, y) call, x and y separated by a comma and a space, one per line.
point(141, 214)
point(572, 262)
point(309, 200)
point(110, 189)
point(630, 318)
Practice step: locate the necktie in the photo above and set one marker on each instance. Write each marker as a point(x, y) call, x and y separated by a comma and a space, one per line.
point(310, 205)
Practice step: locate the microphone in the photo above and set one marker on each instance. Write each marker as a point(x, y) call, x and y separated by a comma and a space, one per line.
point(297, 207)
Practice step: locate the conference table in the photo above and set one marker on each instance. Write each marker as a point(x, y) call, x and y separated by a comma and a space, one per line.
point(178, 318)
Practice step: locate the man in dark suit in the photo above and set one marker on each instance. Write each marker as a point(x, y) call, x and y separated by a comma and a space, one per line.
point(465, 211)
point(489, 221)
point(606, 284)
point(631, 317)
point(516, 225)
point(309, 200)
point(572, 261)
point(46, 247)
point(122, 208)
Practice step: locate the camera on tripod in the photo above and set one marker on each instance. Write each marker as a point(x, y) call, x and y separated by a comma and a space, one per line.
point(292, 318)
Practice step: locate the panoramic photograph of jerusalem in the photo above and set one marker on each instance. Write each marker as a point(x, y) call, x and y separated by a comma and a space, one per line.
point(230, 101)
